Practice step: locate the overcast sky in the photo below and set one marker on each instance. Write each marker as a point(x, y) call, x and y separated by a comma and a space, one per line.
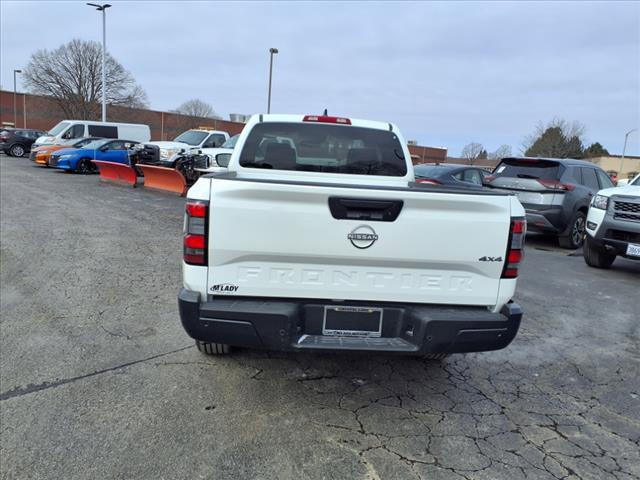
point(446, 73)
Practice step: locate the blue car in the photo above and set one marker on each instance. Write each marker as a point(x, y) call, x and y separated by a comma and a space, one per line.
point(80, 159)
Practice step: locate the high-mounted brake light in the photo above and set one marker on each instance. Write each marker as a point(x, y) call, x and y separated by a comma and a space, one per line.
point(515, 251)
point(195, 232)
point(326, 119)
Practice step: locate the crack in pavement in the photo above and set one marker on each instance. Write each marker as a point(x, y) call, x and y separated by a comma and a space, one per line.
point(32, 388)
point(500, 425)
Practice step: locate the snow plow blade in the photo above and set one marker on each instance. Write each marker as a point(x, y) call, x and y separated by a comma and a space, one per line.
point(162, 178)
point(117, 173)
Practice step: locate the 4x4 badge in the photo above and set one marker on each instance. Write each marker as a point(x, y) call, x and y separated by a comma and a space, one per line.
point(490, 259)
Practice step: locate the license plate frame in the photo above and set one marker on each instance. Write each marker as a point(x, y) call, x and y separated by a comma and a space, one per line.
point(334, 315)
point(633, 250)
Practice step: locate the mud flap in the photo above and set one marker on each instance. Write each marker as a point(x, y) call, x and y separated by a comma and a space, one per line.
point(117, 173)
point(165, 179)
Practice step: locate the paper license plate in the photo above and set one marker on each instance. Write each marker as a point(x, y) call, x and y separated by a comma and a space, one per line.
point(345, 321)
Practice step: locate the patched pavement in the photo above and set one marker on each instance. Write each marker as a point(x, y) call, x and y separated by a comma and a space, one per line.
point(98, 379)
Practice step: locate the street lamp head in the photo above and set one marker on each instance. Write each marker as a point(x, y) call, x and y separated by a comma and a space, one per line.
point(17, 71)
point(99, 7)
point(273, 50)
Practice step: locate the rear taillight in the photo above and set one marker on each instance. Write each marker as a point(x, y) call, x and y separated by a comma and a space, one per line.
point(3, 138)
point(326, 119)
point(556, 185)
point(515, 247)
point(429, 181)
point(195, 232)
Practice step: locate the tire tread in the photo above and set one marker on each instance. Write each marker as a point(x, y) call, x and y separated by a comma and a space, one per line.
point(436, 356)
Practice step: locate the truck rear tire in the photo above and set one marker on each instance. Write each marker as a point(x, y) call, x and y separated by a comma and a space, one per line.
point(213, 348)
point(596, 257)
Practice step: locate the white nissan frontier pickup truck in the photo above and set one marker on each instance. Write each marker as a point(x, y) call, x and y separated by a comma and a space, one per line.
point(318, 238)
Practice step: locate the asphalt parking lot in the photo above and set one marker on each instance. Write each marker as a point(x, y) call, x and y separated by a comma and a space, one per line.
point(98, 379)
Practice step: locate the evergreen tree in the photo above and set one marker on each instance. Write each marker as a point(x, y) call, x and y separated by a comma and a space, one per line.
point(596, 150)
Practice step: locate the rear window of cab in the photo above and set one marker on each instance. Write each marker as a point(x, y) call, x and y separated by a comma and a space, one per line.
point(323, 148)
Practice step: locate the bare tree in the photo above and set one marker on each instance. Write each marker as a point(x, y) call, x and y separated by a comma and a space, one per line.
point(197, 108)
point(72, 75)
point(472, 152)
point(503, 151)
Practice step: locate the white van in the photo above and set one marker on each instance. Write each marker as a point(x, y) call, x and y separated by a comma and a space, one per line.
point(70, 129)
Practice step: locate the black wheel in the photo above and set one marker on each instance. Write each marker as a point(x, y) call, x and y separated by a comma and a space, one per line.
point(17, 150)
point(436, 357)
point(575, 233)
point(213, 348)
point(596, 257)
point(85, 167)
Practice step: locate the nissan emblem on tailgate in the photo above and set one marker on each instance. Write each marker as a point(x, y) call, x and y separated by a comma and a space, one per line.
point(363, 236)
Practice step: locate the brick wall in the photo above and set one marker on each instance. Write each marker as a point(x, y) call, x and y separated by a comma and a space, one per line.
point(42, 113)
point(627, 167)
point(420, 154)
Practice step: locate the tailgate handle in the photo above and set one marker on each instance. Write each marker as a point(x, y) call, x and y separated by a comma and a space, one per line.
point(374, 210)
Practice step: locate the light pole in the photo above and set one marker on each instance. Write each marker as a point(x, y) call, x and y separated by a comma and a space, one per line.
point(15, 92)
point(624, 149)
point(103, 9)
point(272, 51)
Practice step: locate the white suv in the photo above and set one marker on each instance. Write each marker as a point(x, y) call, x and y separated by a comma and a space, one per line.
point(613, 225)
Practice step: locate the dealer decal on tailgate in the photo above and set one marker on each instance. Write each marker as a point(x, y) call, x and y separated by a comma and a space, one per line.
point(224, 288)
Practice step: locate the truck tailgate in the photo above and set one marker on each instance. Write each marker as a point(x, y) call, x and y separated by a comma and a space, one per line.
point(281, 240)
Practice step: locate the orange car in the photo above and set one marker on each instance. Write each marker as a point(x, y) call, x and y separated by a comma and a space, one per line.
point(42, 154)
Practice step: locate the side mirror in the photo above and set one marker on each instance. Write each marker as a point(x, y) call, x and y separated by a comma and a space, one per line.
point(222, 159)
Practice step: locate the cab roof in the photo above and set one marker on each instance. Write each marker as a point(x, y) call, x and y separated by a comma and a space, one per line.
point(355, 122)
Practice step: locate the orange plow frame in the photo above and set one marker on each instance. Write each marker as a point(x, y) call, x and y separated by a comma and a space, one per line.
point(117, 172)
point(162, 178)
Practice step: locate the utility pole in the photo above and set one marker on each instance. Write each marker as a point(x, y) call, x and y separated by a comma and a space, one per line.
point(103, 9)
point(15, 93)
point(272, 51)
point(624, 149)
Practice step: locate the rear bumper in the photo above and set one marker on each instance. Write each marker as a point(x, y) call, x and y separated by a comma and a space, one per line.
point(547, 221)
point(294, 325)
